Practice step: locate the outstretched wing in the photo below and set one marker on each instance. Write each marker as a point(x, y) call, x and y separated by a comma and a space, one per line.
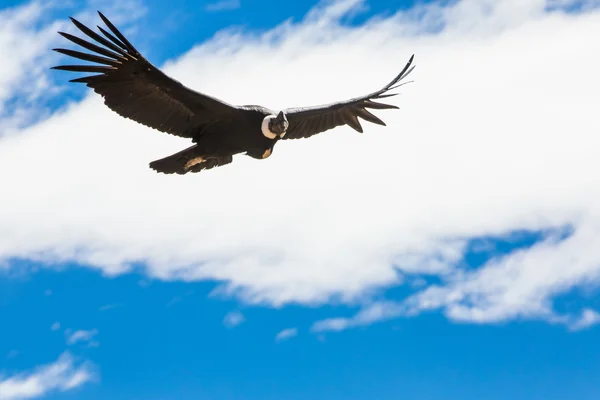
point(308, 121)
point(136, 89)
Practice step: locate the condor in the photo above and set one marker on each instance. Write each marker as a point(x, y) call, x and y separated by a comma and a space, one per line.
point(136, 89)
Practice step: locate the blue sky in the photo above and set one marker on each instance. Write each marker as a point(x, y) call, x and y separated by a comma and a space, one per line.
point(459, 260)
point(155, 347)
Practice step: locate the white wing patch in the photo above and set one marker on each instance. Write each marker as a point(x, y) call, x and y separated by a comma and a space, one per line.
point(193, 161)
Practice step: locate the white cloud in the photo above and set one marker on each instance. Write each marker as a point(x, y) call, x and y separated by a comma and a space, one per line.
point(492, 137)
point(81, 336)
point(520, 284)
point(286, 334)
point(223, 5)
point(587, 319)
point(55, 326)
point(373, 313)
point(233, 319)
point(62, 375)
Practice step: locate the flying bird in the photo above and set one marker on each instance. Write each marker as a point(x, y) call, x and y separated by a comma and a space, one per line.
point(135, 89)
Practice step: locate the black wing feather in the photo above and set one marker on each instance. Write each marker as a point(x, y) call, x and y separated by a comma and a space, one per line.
point(308, 121)
point(136, 89)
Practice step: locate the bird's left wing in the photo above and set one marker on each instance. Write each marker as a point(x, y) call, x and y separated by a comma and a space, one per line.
point(136, 89)
point(308, 121)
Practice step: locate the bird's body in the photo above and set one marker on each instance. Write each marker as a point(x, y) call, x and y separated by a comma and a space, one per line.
point(214, 145)
point(135, 89)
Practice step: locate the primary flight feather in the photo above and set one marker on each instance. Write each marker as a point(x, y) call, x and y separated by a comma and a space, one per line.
point(136, 89)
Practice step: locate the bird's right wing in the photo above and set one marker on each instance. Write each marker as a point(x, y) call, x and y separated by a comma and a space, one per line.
point(308, 121)
point(136, 89)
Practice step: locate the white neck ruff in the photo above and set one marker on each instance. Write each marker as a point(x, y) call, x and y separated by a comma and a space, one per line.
point(264, 127)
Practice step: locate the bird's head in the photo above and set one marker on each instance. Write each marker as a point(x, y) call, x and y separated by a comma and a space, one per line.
point(275, 126)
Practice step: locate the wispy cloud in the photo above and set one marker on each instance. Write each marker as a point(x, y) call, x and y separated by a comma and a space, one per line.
point(233, 319)
point(179, 298)
point(286, 334)
point(81, 336)
point(587, 319)
point(373, 313)
point(62, 375)
point(478, 148)
point(223, 5)
point(55, 326)
point(108, 307)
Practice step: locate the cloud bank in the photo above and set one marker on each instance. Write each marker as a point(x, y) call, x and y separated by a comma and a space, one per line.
point(498, 133)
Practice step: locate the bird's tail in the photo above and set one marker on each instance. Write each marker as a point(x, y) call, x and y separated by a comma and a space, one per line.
point(188, 160)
